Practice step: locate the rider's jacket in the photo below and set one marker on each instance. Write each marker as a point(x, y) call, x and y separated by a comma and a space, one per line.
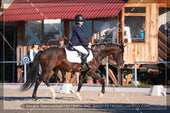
point(78, 37)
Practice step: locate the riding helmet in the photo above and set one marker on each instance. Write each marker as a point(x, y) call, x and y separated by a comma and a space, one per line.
point(36, 43)
point(79, 18)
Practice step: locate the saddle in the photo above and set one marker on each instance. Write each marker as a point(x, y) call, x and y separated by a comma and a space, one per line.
point(75, 56)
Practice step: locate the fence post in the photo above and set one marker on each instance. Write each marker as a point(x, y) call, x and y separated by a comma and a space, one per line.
point(135, 73)
point(77, 77)
point(119, 76)
point(107, 75)
point(25, 72)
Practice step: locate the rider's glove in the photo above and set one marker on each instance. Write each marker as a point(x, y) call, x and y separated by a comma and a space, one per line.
point(89, 46)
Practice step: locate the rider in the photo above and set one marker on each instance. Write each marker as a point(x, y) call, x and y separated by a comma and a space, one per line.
point(79, 41)
point(33, 51)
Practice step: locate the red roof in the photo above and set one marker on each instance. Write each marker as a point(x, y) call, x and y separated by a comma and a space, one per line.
point(23, 10)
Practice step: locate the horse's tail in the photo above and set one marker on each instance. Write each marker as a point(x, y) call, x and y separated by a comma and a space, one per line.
point(32, 72)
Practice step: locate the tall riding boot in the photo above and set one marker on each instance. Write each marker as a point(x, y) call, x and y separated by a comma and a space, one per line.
point(84, 65)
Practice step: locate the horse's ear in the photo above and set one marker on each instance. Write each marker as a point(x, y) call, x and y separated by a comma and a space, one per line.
point(93, 46)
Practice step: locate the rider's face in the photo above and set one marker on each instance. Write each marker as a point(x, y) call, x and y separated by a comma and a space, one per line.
point(80, 22)
point(36, 46)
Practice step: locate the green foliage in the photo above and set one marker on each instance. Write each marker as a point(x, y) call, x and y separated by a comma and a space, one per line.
point(87, 76)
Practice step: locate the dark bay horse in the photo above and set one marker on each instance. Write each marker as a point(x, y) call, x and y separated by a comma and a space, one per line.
point(53, 58)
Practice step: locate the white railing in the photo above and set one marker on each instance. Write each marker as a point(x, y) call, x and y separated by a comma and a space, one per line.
point(25, 70)
point(25, 66)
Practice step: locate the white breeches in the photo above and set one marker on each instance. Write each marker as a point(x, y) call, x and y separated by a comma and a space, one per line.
point(81, 49)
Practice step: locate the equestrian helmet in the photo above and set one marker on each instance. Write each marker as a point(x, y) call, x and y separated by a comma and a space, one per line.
point(79, 18)
point(36, 43)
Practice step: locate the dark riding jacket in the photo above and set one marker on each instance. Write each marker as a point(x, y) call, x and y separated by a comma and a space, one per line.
point(78, 37)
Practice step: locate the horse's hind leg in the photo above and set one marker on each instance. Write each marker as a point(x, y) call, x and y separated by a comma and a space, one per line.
point(46, 81)
point(35, 89)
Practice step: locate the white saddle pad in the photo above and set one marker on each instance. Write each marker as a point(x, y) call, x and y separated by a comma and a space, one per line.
point(72, 56)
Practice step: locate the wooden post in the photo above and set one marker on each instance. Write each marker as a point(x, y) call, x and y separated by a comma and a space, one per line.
point(66, 31)
point(74, 78)
point(68, 76)
point(122, 21)
point(20, 32)
point(118, 27)
point(20, 40)
point(92, 40)
point(112, 76)
point(119, 76)
point(42, 35)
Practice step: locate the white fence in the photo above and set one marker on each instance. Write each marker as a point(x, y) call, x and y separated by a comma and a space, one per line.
point(11, 62)
point(25, 70)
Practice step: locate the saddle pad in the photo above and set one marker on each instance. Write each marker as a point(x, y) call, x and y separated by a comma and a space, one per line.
point(72, 56)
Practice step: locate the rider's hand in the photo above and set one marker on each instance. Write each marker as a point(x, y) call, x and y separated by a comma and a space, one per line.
point(89, 46)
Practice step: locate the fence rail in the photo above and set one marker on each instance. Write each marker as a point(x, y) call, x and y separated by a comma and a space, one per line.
point(25, 67)
point(25, 70)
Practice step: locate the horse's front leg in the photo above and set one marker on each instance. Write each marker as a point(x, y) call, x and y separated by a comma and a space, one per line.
point(81, 79)
point(101, 80)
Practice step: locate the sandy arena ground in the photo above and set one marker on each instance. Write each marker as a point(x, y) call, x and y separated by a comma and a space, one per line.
point(14, 98)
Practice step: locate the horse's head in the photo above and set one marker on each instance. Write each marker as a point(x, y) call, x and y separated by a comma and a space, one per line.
point(115, 50)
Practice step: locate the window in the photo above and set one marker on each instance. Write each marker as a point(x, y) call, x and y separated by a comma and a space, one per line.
point(53, 31)
point(105, 30)
point(134, 24)
point(135, 10)
point(134, 29)
point(87, 28)
point(33, 32)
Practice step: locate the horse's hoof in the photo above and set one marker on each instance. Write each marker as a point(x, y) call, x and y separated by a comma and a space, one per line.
point(100, 95)
point(78, 96)
point(35, 98)
point(53, 97)
point(52, 92)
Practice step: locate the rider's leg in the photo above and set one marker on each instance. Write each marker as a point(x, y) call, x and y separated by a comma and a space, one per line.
point(83, 57)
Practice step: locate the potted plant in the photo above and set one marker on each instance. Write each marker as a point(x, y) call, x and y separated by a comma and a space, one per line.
point(97, 81)
point(101, 75)
point(89, 79)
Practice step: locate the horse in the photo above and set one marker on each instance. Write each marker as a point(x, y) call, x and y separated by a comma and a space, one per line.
point(52, 58)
